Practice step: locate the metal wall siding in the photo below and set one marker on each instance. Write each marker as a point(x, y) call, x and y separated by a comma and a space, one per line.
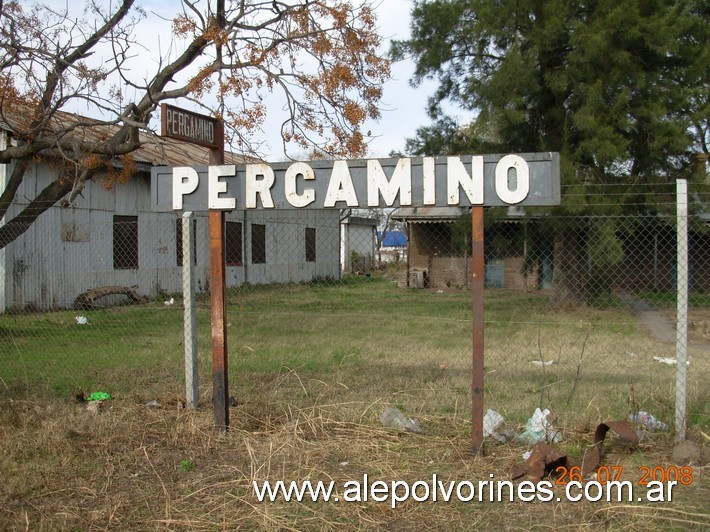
point(70, 250)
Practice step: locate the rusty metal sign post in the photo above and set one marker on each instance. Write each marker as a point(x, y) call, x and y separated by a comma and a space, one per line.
point(220, 384)
point(218, 303)
point(478, 265)
point(209, 132)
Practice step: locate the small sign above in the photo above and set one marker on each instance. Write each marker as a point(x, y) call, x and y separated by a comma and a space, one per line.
point(185, 125)
point(490, 180)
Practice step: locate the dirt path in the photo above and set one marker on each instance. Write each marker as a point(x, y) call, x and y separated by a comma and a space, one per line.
point(656, 322)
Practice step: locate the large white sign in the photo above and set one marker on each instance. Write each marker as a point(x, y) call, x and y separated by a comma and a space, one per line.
point(512, 179)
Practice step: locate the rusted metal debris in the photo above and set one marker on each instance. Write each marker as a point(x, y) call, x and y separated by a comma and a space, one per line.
point(545, 459)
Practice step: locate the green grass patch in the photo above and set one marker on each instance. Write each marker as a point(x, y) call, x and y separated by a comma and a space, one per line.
point(378, 342)
point(666, 298)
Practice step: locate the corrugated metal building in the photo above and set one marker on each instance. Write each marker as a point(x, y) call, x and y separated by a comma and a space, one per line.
point(112, 237)
point(358, 243)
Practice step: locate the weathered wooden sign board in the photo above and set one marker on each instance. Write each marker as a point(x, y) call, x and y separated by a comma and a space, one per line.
point(190, 127)
point(490, 180)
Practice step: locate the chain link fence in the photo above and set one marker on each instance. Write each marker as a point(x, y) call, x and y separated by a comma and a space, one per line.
point(580, 311)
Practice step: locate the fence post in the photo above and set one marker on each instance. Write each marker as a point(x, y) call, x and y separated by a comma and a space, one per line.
point(681, 309)
point(189, 319)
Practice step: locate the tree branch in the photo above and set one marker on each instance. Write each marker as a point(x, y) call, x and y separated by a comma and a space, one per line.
point(44, 200)
point(13, 185)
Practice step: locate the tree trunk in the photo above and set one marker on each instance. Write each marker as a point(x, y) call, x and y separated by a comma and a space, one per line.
point(87, 300)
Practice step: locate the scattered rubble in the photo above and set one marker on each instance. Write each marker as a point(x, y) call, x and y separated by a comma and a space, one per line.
point(394, 418)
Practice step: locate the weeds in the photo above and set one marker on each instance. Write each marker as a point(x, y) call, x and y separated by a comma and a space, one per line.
point(312, 367)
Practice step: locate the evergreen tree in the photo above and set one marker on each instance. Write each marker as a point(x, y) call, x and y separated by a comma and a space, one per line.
point(618, 87)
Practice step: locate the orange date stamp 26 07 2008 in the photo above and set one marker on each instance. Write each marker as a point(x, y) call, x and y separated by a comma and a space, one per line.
point(681, 475)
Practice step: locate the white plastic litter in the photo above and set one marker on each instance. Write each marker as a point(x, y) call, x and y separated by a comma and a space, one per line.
point(541, 362)
point(669, 361)
point(492, 423)
point(526, 455)
point(648, 421)
point(392, 417)
point(170, 301)
point(81, 320)
point(538, 429)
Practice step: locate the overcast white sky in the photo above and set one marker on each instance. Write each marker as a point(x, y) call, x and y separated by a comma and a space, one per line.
point(404, 107)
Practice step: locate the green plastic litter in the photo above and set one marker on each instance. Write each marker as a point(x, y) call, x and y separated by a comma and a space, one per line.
point(98, 396)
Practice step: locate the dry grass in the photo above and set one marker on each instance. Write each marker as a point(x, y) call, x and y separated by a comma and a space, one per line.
point(312, 368)
point(136, 467)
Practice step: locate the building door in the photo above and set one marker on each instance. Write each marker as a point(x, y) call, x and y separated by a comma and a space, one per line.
point(546, 271)
point(494, 274)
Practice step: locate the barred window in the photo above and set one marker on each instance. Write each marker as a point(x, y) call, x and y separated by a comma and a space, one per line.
point(258, 244)
point(233, 244)
point(125, 242)
point(310, 244)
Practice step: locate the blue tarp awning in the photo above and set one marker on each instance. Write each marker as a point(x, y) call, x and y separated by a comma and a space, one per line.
point(393, 239)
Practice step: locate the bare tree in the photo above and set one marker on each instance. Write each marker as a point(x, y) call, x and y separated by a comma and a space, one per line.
point(320, 57)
